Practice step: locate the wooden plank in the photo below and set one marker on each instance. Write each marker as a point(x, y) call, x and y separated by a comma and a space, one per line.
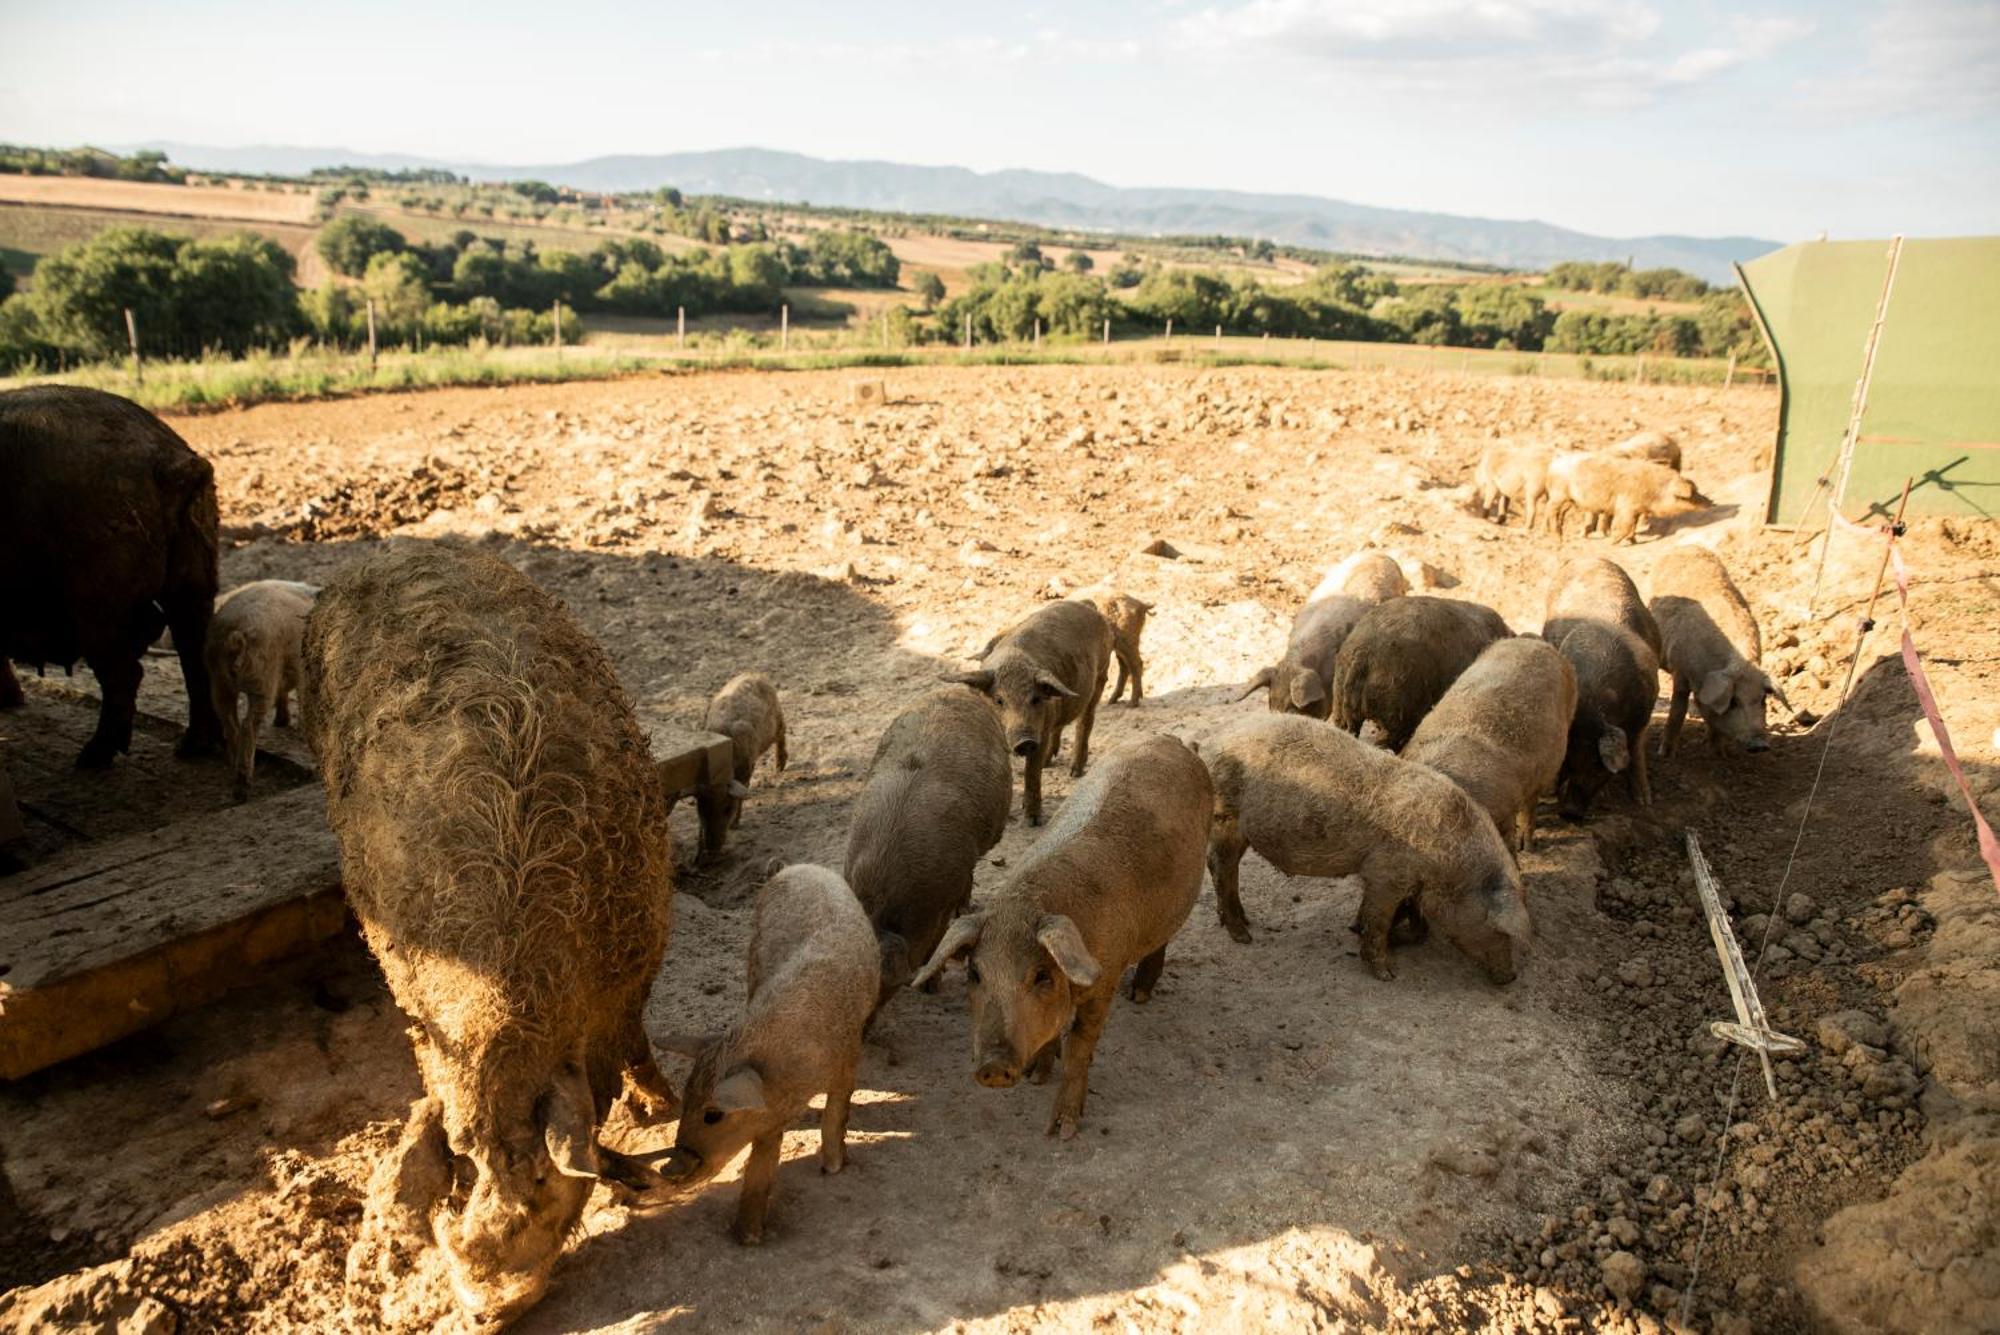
point(696, 764)
point(114, 937)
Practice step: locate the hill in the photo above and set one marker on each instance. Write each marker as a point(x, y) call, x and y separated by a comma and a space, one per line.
point(1062, 199)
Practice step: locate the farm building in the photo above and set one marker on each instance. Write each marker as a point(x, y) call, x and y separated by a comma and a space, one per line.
point(1933, 405)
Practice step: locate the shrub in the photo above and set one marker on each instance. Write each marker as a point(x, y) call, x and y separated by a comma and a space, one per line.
point(350, 241)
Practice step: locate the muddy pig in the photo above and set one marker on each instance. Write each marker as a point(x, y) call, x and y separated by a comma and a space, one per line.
point(503, 840)
point(255, 641)
point(1502, 730)
point(1512, 477)
point(812, 981)
point(107, 537)
point(746, 711)
point(1126, 616)
point(1108, 885)
point(1591, 588)
point(1302, 681)
point(935, 801)
point(1712, 650)
point(1402, 656)
point(1317, 802)
point(1619, 493)
point(1617, 684)
point(1046, 672)
point(1653, 446)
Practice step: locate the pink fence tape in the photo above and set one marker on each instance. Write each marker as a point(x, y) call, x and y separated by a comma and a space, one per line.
point(1989, 846)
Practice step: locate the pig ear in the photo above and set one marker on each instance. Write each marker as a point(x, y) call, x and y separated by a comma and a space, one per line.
point(1047, 685)
point(742, 1090)
point(687, 1044)
point(567, 1127)
point(1064, 943)
point(1772, 688)
point(959, 939)
point(978, 681)
point(1260, 682)
point(1715, 691)
point(980, 657)
point(420, 1169)
point(738, 789)
point(1306, 690)
point(1613, 750)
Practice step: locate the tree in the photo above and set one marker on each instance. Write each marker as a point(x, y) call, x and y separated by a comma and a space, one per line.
point(350, 241)
point(539, 191)
point(7, 284)
point(669, 196)
point(1493, 313)
point(1078, 262)
point(400, 287)
point(1025, 252)
point(930, 289)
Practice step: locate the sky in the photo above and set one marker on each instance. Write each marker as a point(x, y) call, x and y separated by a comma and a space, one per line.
point(1779, 119)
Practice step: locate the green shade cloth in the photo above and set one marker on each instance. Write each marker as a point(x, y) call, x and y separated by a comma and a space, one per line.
point(1934, 401)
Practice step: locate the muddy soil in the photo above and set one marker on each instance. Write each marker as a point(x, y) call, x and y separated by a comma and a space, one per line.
point(1277, 1139)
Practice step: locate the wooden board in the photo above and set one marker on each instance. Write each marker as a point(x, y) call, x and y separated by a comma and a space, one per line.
point(700, 765)
point(113, 937)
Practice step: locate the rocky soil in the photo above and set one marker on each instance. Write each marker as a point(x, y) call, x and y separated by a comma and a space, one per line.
point(1278, 1139)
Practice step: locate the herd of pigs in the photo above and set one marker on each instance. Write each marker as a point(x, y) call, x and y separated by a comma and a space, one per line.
point(505, 844)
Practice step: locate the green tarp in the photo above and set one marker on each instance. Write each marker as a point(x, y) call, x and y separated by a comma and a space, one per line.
point(1934, 400)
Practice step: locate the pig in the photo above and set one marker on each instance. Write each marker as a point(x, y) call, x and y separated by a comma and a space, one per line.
point(1370, 576)
point(1402, 656)
point(746, 711)
point(935, 801)
point(108, 535)
point(1045, 672)
point(1109, 884)
point(255, 640)
point(1126, 616)
point(1512, 477)
point(1712, 650)
point(1617, 684)
point(503, 841)
point(1653, 446)
point(1592, 588)
point(1626, 490)
point(1302, 681)
point(812, 982)
point(1317, 802)
point(1502, 730)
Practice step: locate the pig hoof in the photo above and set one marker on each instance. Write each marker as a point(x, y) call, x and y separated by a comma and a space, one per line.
point(1238, 932)
point(832, 1167)
point(1383, 971)
point(1064, 1126)
point(94, 756)
point(749, 1235)
point(1140, 996)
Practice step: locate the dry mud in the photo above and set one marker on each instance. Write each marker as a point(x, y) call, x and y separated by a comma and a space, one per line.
point(1277, 1139)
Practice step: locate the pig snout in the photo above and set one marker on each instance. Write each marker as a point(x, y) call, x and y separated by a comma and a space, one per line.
point(680, 1165)
point(997, 1068)
point(1026, 746)
point(1758, 743)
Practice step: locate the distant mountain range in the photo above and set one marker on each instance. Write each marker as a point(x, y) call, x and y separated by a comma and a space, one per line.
point(1057, 199)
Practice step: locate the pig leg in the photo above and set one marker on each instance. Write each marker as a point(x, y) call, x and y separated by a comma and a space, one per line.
point(1380, 902)
point(1138, 680)
point(243, 750)
point(760, 1175)
point(1119, 688)
point(1147, 976)
point(781, 744)
point(1077, 1052)
point(1636, 780)
point(833, 1121)
point(1624, 525)
point(1524, 825)
point(10, 686)
point(1083, 727)
point(1044, 1062)
point(118, 682)
point(1677, 712)
point(1225, 856)
point(187, 616)
point(1031, 788)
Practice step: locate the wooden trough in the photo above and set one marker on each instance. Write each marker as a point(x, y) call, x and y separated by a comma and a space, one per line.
point(108, 938)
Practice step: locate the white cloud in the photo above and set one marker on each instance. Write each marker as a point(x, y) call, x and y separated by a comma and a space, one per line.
point(1598, 52)
point(1921, 58)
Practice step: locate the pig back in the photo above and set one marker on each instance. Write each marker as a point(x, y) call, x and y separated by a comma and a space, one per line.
point(1592, 588)
point(104, 512)
point(1301, 792)
point(1070, 639)
point(502, 830)
point(1692, 590)
point(1124, 856)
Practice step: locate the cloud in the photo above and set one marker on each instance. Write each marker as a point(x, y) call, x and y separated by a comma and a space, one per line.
point(1599, 52)
point(1923, 57)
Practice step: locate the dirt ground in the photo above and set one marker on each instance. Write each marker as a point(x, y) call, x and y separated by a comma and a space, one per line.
point(1277, 1140)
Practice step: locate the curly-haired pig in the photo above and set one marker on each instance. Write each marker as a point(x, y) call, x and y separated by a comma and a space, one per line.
point(1617, 684)
point(1317, 802)
point(1371, 576)
point(1126, 616)
point(812, 981)
point(1108, 885)
point(503, 840)
point(1302, 681)
point(1653, 446)
point(1712, 650)
point(1402, 656)
point(1512, 477)
point(1618, 492)
point(255, 643)
point(1046, 672)
point(1501, 731)
point(1591, 588)
point(935, 801)
point(746, 711)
